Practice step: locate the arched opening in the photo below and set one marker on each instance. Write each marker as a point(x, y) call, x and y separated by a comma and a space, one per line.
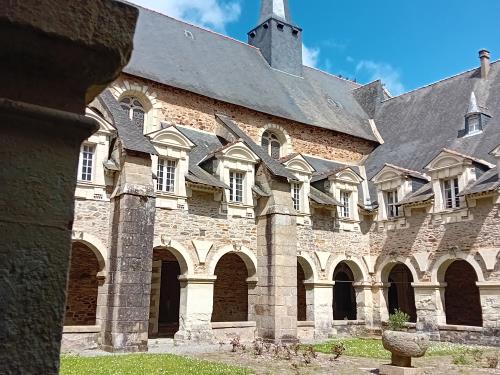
point(83, 284)
point(134, 110)
point(301, 294)
point(230, 290)
point(344, 296)
point(272, 144)
point(462, 300)
point(165, 294)
point(401, 295)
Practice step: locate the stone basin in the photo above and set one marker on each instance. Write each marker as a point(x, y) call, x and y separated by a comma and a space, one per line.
point(404, 346)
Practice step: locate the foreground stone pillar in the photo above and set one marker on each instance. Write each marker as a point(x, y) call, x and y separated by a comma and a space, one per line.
point(429, 301)
point(51, 64)
point(276, 308)
point(364, 302)
point(125, 302)
point(196, 305)
point(320, 299)
point(490, 305)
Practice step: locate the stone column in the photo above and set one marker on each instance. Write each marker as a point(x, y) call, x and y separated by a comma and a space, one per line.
point(429, 301)
point(55, 56)
point(276, 308)
point(364, 302)
point(490, 305)
point(319, 306)
point(124, 305)
point(196, 306)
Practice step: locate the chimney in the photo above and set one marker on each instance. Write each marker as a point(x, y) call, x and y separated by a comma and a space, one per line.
point(484, 56)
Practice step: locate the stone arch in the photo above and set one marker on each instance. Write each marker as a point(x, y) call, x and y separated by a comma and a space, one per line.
point(97, 247)
point(356, 265)
point(309, 267)
point(388, 263)
point(438, 269)
point(180, 252)
point(283, 137)
point(244, 253)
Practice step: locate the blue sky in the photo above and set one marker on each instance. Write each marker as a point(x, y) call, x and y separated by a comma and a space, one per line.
point(406, 43)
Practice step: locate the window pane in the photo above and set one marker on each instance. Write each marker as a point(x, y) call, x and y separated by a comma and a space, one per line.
point(160, 182)
point(236, 187)
point(87, 162)
point(275, 149)
point(296, 196)
point(138, 118)
point(170, 176)
point(345, 199)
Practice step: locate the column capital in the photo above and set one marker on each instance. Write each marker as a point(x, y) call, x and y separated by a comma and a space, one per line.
point(197, 279)
point(319, 283)
point(488, 285)
point(430, 285)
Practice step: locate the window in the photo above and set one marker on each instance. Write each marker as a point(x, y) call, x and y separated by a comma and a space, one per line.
point(271, 143)
point(86, 162)
point(391, 199)
point(134, 110)
point(345, 199)
point(450, 192)
point(474, 125)
point(166, 175)
point(296, 196)
point(236, 187)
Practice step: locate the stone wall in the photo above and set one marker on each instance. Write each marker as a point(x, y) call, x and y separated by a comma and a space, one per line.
point(81, 300)
point(92, 216)
point(185, 108)
point(230, 290)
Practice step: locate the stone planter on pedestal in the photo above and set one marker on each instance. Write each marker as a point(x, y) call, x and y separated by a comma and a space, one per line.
point(403, 346)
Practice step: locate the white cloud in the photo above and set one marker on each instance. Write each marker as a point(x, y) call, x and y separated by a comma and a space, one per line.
point(310, 56)
point(385, 72)
point(212, 14)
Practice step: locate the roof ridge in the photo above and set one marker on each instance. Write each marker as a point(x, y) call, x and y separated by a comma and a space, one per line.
point(437, 82)
point(335, 76)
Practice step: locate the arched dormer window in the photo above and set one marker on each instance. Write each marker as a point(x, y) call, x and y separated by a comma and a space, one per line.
point(272, 144)
point(135, 111)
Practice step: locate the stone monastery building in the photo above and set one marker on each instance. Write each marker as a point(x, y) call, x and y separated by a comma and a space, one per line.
point(231, 190)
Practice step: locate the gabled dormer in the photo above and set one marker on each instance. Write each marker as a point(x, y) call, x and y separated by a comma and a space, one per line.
point(170, 167)
point(476, 118)
point(301, 186)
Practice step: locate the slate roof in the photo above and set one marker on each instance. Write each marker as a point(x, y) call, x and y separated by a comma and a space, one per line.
point(321, 198)
point(417, 125)
point(489, 181)
point(421, 195)
point(130, 135)
point(184, 56)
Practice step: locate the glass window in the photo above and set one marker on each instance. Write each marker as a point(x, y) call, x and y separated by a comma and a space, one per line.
point(450, 192)
point(345, 199)
point(271, 143)
point(474, 124)
point(391, 199)
point(296, 196)
point(86, 162)
point(236, 186)
point(134, 110)
point(166, 175)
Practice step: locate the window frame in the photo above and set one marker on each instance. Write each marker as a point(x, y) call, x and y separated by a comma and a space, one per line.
point(269, 137)
point(162, 175)
point(296, 192)
point(454, 191)
point(234, 198)
point(391, 200)
point(345, 197)
point(93, 147)
point(132, 107)
point(478, 128)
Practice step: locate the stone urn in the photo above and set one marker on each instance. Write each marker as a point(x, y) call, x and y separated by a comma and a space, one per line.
point(404, 346)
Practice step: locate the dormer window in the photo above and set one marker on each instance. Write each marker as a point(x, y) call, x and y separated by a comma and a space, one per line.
point(86, 167)
point(166, 175)
point(236, 186)
point(391, 200)
point(272, 144)
point(296, 196)
point(473, 124)
point(134, 110)
point(451, 193)
point(345, 200)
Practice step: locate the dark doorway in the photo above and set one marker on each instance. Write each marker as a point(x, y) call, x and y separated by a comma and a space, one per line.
point(170, 294)
point(462, 300)
point(344, 296)
point(401, 295)
point(301, 294)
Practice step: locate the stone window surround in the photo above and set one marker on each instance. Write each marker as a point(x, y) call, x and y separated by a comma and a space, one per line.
point(237, 158)
point(346, 180)
point(171, 144)
point(283, 137)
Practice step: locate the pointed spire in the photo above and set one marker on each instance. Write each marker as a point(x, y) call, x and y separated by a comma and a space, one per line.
point(473, 107)
point(277, 9)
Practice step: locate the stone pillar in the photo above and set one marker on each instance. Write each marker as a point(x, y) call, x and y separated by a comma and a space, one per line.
point(364, 302)
point(490, 305)
point(429, 301)
point(383, 302)
point(51, 64)
point(126, 298)
point(319, 304)
point(195, 315)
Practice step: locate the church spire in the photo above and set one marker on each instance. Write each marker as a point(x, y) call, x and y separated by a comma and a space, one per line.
point(277, 9)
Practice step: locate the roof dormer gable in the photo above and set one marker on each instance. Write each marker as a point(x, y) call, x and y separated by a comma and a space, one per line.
point(237, 151)
point(170, 137)
point(299, 164)
point(449, 159)
point(346, 175)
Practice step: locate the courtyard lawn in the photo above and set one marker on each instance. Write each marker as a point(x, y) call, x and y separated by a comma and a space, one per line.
point(372, 348)
point(144, 364)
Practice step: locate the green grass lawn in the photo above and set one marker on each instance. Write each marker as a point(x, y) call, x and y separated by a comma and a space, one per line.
point(372, 348)
point(140, 364)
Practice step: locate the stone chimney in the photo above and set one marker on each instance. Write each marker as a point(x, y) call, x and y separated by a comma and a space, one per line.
point(484, 56)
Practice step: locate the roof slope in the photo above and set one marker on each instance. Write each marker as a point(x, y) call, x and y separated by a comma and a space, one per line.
point(416, 126)
point(178, 54)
